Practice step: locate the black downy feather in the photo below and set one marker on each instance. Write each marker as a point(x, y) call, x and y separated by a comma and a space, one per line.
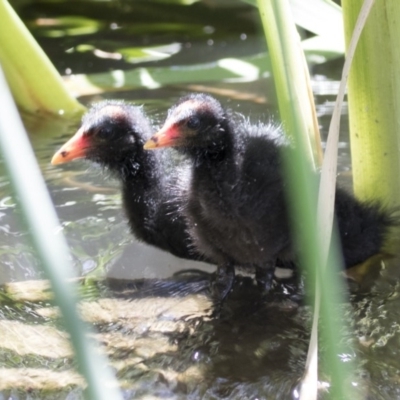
point(235, 200)
point(116, 132)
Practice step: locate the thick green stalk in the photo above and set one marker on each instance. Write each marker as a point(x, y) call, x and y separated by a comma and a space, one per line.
point(35, 83)
point(374, 101)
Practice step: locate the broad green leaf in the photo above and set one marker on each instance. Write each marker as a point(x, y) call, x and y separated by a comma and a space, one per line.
point(35, 83)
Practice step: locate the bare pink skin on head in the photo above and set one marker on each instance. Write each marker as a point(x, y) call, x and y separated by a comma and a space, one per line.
point(175, 129)
point(113, 111)
point(76, 147)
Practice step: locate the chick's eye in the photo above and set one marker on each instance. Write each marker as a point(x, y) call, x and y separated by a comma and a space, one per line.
point(193, 123)
point(103, 133)
point(89, 132)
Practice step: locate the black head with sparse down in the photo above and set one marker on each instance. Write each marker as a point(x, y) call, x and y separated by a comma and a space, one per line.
point(112, 134)
point(114, 130)
point(197, 124)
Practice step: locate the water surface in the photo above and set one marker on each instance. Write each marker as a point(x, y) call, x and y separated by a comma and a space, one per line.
point(163, 343)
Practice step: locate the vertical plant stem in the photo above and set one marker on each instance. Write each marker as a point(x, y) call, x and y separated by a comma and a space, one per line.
point(296, 102)
point(374, 101)
point(296, 108)
point(50, 244)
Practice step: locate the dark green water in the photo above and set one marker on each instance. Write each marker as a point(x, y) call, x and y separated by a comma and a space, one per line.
point(254, 350)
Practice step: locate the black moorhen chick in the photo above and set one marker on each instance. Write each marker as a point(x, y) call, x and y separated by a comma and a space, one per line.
point(235, 202)
point(113, 134)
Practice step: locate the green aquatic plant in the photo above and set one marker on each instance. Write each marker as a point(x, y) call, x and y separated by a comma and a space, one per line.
point(40, 217)
point(374, 98)
point(35, 84)
point(314, 230)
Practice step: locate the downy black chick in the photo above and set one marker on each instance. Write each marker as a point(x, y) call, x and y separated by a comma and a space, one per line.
point(112, 134)
point(235, 202)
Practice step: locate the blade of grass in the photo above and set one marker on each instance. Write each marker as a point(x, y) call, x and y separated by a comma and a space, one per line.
point(321, 17)
point(296, 103)
point(50, 245)
point(326, 195)
point(329, 165)
point(290, 73)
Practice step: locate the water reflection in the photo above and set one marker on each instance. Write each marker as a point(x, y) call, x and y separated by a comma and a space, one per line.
point(163, 342)
point(158, 328)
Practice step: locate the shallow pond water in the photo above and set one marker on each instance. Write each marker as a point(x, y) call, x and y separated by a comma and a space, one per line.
point(160, 335)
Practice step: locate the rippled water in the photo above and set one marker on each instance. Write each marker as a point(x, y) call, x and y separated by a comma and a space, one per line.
point(100, 37)
point(89, 207)
point(161, 346)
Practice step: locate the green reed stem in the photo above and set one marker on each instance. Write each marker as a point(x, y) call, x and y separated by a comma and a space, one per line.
point(41, 219)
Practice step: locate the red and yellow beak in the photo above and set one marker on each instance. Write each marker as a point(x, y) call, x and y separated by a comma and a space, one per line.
point(167, 136)
point(71, 150)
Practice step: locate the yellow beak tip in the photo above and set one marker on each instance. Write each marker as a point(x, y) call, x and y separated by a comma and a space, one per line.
point(56, 159)
point(61, 157)
point(150, 144)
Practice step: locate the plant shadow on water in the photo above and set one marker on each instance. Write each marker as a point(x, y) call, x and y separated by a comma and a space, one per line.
point(158, 329)
point(163, 341)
